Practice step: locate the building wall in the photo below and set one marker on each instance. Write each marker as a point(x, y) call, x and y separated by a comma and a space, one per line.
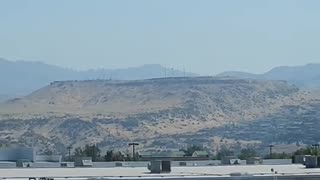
point(188, 163)
point(7, 165)
point(292, 177)
point(46, 165)
point(48, 158)
point(83, 161)
point(124, 164)
point(277, 161)
point(142, 158)
point(14, 154)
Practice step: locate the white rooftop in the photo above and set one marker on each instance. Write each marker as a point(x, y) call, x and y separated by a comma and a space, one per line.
point(144, 172)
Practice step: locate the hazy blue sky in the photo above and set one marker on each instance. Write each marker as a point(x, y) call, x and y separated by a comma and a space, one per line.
point(206, 37)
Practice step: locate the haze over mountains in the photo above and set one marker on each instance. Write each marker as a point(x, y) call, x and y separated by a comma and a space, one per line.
point(19, 78)
point(307, 76)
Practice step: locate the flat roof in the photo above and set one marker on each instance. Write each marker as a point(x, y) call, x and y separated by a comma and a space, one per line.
point(138, 172)
point(7, 162)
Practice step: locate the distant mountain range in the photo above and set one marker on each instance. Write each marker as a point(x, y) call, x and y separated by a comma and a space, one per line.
point(68, 107)
point(19, 78)
point(307, 76)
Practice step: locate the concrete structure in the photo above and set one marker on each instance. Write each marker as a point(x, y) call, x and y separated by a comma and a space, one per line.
point(230, 160)
point(253, 172)
point(172, 156)
point(46, 165)
point(27, 158)
point(48, 158)
point(185, 163)
point(24, 163)
point(160, 166)
point(83, 162)
point(255, 160)
point(196, 163)
point(154, 155)
point(277, 161)
point(17, 153)
point(299, 159)
point(302, 159)
point(155, 167)
point(311, 161)
point(67, 164)
point(6, 164)
point(47, 161)
point(145, 163)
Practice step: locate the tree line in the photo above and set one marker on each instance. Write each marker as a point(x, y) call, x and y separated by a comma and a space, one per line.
point(96, 154)
point(111, 155)
point(250, 152)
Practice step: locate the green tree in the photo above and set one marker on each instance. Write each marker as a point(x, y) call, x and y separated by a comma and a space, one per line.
point(88, 151)
point(247, 153)
point(191, 149)
point(224, 151)
point(48, 151)
point(117, 156)
point(78, 152)
point(281, 156)
point(108, 156)
point(3, 145)
point(129, 158)
point(308, 151)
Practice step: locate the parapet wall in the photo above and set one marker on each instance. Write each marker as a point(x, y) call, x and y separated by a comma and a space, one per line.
point(48, 158)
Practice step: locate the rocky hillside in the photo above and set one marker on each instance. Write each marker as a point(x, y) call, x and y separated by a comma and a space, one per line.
point(156, 112)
